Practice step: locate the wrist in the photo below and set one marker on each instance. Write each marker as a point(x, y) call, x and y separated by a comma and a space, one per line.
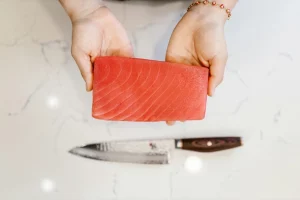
point(77, 9)
point(209, 13)
point(219, 10)
point(230, 4)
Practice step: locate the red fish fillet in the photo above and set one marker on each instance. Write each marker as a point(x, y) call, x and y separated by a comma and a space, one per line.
point(133, 89)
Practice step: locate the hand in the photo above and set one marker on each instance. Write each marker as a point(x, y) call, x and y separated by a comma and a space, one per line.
point(198, 39)
point(95, 34)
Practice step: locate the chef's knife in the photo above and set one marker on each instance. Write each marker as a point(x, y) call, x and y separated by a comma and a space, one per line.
point(152, 151)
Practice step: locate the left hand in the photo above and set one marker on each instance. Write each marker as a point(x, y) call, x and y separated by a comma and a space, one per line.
point(198, 39)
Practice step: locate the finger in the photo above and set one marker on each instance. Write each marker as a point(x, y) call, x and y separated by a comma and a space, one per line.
point(170, 123)
point(217, 69)
point(85, 66)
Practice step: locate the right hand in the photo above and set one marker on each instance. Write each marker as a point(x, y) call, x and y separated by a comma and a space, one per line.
point(95, 34)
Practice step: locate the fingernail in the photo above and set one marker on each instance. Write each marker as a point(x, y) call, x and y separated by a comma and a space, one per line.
point(170, 123)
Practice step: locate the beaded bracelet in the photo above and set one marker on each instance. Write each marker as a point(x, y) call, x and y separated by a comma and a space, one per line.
point(213, 3)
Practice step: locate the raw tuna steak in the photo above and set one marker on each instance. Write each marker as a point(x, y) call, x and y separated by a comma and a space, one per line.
point(132, 89)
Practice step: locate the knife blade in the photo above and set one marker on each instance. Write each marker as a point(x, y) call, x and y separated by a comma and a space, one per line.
point(140, 152)
point(152, 151)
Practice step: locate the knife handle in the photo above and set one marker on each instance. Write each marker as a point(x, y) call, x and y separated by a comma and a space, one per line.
point(208, 144)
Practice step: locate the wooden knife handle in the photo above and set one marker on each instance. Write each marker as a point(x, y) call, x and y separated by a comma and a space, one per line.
point(208, 144)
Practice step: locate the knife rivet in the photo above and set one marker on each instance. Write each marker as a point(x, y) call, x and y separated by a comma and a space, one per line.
point(153, 146)
point(179, 144)
point(209, 143)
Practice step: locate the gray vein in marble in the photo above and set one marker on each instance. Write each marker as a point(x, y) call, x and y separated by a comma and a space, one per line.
point(240, 104)
point(60, 127)
point(115, 184)
point(286, 55)
point(134, 38)
point(64, 48)
point(182, 14)
point(28, 99)
point(283, 140)
point(275, 67)
point(171, 185)
point(277, 116)
point(261, 135)
point(171, 179)
point(62, 45)
point(57, 134)
point(17, 40)
point(134, 41)
point(236, 72)
point(108, 129)
point(271, 71)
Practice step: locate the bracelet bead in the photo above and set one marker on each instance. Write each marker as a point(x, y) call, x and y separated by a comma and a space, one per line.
point(213, 3)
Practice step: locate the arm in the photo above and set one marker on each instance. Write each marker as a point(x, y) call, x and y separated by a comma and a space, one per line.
point(76, 8)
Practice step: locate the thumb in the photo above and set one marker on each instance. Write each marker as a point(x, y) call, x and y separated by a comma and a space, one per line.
point(85, 66)
point(217, 69)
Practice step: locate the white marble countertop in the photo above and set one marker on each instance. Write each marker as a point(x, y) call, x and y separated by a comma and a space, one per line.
point(44, 109)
